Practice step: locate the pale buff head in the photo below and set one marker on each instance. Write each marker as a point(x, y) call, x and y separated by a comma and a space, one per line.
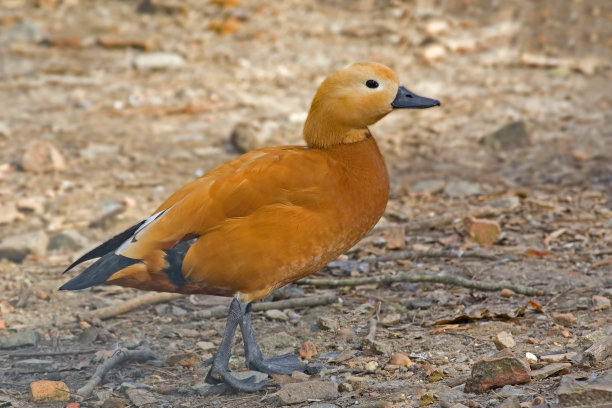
point(356, 97)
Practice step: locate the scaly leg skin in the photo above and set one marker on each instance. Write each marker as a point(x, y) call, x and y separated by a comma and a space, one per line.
point(285, 364)
point(219, 372)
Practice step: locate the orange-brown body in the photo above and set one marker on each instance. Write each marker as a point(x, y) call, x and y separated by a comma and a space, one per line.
point(265, 219)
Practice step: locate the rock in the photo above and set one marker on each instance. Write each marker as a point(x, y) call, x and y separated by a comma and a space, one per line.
point(598, 352)
point(21, 339)
point(549, 370)
point(504, 340)
point(182, 359)
point(593, 337)
point(564, 319)
point(531, 358)
point(142, 397)
point(35, 365)
point(345, 387)
point(308, 350)
point(30, 206)
point(295, 393)
point(67, 239)
point(322, 405)
point(9, 213)
point(41, 156)
point(158, 60)
point(512, 402)
point(482, 231)
point(275, 314)
point(433, 52)
point(600, 303)
point(432, 186)
point(557, 358)
point(510, 136)
point(206, 345)
point(436, 27)
point(23, 32)
point(327, 323)
point(5, 131)
point(400, 359)
point(507, 293)
point(378, 347)
point(461, 188)
point(371, 365)
point(47, 391)
point(17, 247)
point(597, 392)
point(94, 151)
point(391, 319)
point(277, 341)
point(114, 402)
point(502, 369)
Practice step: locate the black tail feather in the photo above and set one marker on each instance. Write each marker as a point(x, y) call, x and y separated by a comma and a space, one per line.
point(99, 271)
point(106, 247)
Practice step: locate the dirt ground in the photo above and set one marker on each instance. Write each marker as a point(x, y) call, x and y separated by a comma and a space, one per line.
point(130, 126)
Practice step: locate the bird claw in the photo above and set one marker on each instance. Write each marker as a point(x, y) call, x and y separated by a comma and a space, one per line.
point(216, 376)
point(284, 364)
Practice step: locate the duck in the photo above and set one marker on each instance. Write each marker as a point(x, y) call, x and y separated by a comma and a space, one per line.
point(266, 218)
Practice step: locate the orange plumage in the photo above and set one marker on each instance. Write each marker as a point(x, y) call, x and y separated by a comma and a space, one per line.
point(273, 215)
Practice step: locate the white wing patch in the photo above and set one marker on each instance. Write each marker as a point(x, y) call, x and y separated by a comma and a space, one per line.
point(144, 225)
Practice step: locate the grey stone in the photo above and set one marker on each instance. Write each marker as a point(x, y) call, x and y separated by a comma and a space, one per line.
point(275, 314)
point(158, 60)
point(5, 131)
point(21, 339)
point(141, 397)
point(177, 311)
point(462, 188)
point(67, 239)
point(277, 341)
point(327, 323)
point(595, 393)
point(512, 402)
point(93, 151)
point(510, 136)
point(17, 247)
point(295, 393)
point(243, 375)
point(35, 365)
point(24, 31)
point(432, 186)
point(321, 405)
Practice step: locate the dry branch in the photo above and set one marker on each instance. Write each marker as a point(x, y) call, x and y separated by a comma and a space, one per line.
point(128, 305)
point(120, 357)
point(296, 303)
point(438, 278)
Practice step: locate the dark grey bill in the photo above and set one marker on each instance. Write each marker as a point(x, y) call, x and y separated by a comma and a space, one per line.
point(409, 100)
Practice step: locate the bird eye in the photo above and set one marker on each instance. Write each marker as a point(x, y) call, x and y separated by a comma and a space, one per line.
point(370, 83)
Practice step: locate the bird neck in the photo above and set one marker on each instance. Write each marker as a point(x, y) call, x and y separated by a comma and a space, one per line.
point(322, 134)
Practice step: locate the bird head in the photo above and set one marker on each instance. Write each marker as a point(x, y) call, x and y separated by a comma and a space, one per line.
point(355, 97)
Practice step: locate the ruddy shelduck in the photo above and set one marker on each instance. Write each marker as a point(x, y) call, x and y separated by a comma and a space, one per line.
point(268, 217)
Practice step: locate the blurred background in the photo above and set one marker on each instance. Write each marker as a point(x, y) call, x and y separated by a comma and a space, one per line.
point(107, 107)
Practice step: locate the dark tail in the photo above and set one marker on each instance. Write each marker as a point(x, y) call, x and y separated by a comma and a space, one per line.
point(106, 247)
point(99, 271)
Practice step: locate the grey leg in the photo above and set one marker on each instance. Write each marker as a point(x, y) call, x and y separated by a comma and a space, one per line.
point(285, 364)
point(219, 372)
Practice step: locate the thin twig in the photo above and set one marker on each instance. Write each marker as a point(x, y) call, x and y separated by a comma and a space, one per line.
point(438, 278)
point(296, 303)
point(120, 357)
point(128, 305)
